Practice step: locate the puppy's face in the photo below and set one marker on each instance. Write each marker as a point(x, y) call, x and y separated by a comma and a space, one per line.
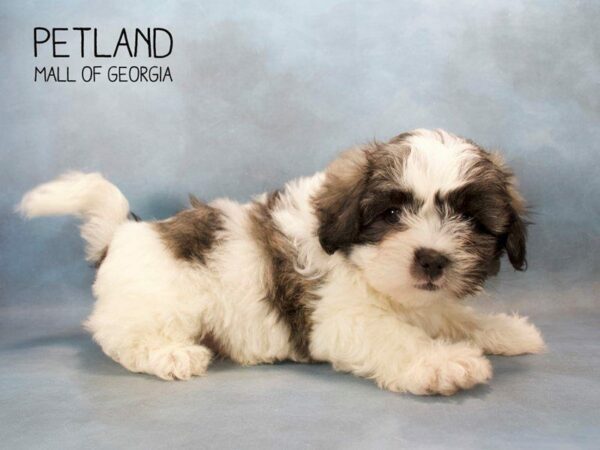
point(428, 214)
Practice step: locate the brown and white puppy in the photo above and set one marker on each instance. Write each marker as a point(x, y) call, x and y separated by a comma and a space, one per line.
point(363, 265)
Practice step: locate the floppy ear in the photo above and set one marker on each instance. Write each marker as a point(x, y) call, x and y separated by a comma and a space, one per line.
point(516, 236)
point(516, 242)
point(338, 201)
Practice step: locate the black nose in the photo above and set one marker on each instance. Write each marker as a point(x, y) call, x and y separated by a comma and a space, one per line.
point(430, 263)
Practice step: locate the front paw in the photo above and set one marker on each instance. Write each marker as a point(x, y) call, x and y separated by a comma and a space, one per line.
point(512, 335)
point(444, 369)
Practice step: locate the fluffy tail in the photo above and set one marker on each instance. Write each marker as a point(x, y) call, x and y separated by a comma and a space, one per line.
point(100, 204)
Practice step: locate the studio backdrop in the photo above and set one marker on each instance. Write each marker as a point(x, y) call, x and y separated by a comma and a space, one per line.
point(231, 99)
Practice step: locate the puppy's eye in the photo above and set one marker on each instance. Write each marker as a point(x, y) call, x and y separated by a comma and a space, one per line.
point(391, 215)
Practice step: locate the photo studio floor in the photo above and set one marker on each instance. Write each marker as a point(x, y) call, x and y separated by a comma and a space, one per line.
point(58, 390)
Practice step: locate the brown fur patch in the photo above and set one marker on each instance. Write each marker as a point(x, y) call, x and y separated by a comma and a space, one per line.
point(191, 234)
point(493, 200)
point(338, 202)
point(287, 292)
point(359, 187)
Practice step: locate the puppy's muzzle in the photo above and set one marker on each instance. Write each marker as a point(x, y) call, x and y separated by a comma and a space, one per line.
point(429, 264)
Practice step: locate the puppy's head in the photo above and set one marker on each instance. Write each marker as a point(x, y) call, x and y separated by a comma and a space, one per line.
point(425, 214)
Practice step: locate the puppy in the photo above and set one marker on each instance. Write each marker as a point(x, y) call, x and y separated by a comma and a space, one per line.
point(363, 265)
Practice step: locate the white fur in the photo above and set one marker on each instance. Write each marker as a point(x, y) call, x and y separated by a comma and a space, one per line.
point(152, 309)
point(443, 158)
point(101, 205)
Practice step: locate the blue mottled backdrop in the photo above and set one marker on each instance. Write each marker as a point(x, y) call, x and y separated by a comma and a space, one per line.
point(263, 92)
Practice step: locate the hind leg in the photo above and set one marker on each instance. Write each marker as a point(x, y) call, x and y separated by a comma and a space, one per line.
point(161, 347)
point(178, 361)
point(149, 307)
